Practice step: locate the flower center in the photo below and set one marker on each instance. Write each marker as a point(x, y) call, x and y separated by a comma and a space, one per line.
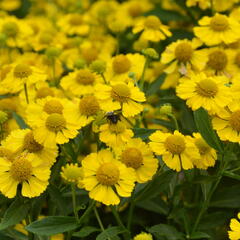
point(184, 52)
point(21, 169)
point(175, 144)
point(219, 23)
point(45, 38)
point(121, 64)
point(237, 59)
point(207, 88)
point(132, 157)
point(135, 10)
point(217, 60)
point(10, 29)
point(89, 106)
point(202, 146)
point(4, 152)
point(44, 92)
point(90, 54)
point(152, 22)
point(119, 127)
point(30, 143)
point(76, 20)
point(55, 122)
point(120, 92)
point(85, 77)
point(72, 172)
point(108, 174)
point(53, 106)
point(22, 71)
point(235, 121)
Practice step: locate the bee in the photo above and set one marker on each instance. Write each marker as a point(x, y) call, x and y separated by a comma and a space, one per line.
point(112, 117)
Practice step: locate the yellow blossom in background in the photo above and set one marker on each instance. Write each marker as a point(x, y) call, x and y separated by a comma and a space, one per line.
point(203, 4)
point(72, 173)
point(143, 236)
point(234, 233)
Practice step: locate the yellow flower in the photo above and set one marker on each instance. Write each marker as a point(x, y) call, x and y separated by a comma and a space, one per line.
point(115, 135)
point(183, 56)
point(27, 170)
point(54, 128)
point(10, 5)
point(137, 155)
point(80, 82)
point(103, 175)
point(202, 91)
point(153, 29)
point(16, 30)
point(121, 65)
point(143, 236)
point(74, 23)
point(72, 173)
point(234, 234)
point(208, 155)
point(178, 151)
point(217, 29)
point(120, 96)
point(21, 74)
point(23, 140)
point(203, 4)
point(227, 123)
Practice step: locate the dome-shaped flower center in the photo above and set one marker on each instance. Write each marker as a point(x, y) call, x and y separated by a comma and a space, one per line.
point(235, 121)
point(44, 92)
point(121, 64)
point(76, 20)
point(183, 52)
point(207, 88)
point(55, 122)
point(152, 22)
point(132, 157)
point(10, 29)
point(120, 92)
point(90, 54)
point(135, 10)
point(117, 128)
point(89, 106)
point(237, 59)
point(72, 173)
point(175, 144)
point(85, 77)
point(108, 174)
point(45, 38)
point(31, 144)
point(217, 60)
point(21, 169)
point(4, 152)
point(219, 23)
point(53, 106)
point(22, 71)
point(202, 146)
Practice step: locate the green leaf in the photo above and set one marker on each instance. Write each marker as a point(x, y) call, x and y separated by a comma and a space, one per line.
point(143, 133)
point(155, 86)
point(85, 231)
point(52, 225)
point(199, 235)
point(167, 231)
point(164, 123)
point(110, 233)
point(14, 214)
point(231, 175)
point(4, 237)
point(204, 126)
point(21, 123)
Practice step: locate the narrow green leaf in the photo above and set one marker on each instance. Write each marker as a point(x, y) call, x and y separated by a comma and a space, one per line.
point(110, 233)
point(204, 126)
point(155, 86)
point(14, 214)
point(21, 123)
point(52, 225)
point(231, 175)
point(85, 231)
point(199, 235)
point(167, 231)
point(143, 133)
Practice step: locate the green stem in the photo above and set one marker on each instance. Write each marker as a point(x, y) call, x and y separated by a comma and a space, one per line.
point(130, 214)
point(103, 77)
point(98, 218)
point(74, 201)
point(141, 83)
point(28, 221)
point(126, 235)
point(26, 93)
point(88, 210)
point(118, 44)
point(174, 120)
